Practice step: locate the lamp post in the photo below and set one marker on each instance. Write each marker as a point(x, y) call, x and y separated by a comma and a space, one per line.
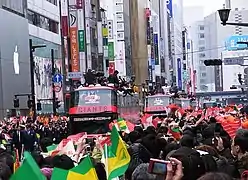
point(224, 15)
point(32, 65)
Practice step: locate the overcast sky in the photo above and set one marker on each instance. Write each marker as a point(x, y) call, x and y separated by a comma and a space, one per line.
point(209, 5)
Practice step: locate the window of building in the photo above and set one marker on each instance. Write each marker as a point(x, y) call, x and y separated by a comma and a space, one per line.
point(202, 81)
point(203, 74)
point(201, 35)
point(201, 48)
point(204, 88)
point(53, 2)
point(202, 68)
point(202, 55)
point(201, 42)
point(201, 61)
point(42, 22)
point(201, 27)
point(13, 6)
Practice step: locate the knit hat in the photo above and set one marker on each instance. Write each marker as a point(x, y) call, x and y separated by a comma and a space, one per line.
point(47, 172)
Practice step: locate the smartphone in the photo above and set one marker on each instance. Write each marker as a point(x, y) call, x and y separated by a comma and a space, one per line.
point(157, 166)
point(217, 129)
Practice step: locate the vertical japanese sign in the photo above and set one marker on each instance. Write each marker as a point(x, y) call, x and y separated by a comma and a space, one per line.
point(111, 68)
point(81, 41)
point(111, 53)
point(179, 75)
point(156, 53)
point(169, 7)
point(64, 17)
point(74, 42)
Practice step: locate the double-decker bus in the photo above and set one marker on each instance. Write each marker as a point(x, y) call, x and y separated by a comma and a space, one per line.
point(92, 109)
point(156, 104)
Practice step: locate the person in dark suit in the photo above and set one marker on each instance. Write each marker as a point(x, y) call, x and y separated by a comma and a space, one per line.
point(17, 139)
point(29, 139)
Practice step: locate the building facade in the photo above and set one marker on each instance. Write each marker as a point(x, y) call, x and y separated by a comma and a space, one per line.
point(176, 24)
point(216, 36)
point(14, 74)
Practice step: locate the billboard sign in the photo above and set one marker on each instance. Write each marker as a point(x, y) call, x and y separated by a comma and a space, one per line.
point(169, 7)
point(232, 42)
point(179, 75)
point(74, 42)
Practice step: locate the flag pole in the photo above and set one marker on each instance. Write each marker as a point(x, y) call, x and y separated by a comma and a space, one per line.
point(106, 159)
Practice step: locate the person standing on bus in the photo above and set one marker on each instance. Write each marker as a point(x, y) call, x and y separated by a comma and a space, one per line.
point(113, 78)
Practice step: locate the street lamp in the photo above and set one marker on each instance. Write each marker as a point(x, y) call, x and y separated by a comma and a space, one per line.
point(224, 15)
point(32, 65)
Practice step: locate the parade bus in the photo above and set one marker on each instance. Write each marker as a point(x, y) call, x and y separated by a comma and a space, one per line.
point(183, 102)
point(156, 104)
point(92, 109)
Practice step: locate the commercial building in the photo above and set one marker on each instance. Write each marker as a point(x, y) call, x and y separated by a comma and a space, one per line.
point(234, 63)
point(176, 43)
point(216, 35)
point(209, 41)
point(14, 75)
point(119, 36)
point(43, 18)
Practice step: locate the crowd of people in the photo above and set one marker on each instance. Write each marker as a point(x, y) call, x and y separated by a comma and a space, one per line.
point(186, 144)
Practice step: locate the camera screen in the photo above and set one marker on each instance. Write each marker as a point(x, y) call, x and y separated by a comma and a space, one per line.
point(159, 168)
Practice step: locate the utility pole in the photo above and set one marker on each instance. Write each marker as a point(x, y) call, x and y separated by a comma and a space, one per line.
point(32, 65)
point(63, 53)
point(53, 73)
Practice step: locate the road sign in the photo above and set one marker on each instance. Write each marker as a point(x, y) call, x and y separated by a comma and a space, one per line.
point(57, 88)
point(234, 61)
point(246, 70)
point(57, 78)
point(74, 75)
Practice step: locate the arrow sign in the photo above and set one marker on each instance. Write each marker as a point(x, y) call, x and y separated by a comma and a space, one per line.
point(57, 78)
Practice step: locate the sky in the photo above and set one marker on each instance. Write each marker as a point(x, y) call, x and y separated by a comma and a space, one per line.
point(209, 5)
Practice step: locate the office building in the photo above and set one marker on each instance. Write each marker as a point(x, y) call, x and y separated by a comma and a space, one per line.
point(240, 4)
point(203, 73)
point(14, 72)
point(43, 18)
point(176, 24)
point(119, 36)
point(215, 40)
point(234, 63)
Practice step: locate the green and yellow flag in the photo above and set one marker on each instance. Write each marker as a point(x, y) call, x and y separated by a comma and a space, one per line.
point(29, 170)
point(85, 170)
point(122, 124)
point(116, 156)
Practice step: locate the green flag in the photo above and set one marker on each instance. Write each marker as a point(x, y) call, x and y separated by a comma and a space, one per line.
point(85, 170)
point(118, 157)
point(29, 170)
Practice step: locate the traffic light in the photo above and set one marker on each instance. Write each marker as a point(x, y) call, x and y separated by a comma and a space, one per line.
point(240, 79)
point(57, 104)
point(39, 108)
point(16, 103)
point(213, 62)
point(30, 103)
